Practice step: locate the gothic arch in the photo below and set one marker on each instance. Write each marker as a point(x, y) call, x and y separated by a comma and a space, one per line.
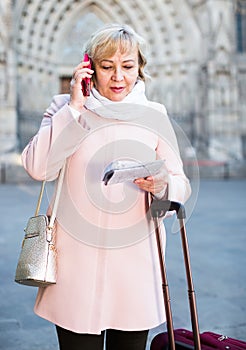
point(40, 25)
point(48, 43)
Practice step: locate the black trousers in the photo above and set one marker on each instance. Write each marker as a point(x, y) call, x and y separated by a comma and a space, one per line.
point(115, 340)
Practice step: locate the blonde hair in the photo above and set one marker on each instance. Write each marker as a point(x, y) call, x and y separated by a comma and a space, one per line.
point(107, 40)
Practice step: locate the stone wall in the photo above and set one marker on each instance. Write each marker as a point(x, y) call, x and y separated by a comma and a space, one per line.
point(195, 69)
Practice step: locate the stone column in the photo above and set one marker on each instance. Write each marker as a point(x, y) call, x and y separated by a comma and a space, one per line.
point(222, 90)
point(8, 117)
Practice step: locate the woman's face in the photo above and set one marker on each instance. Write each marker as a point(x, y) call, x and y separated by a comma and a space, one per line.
point(116, 76)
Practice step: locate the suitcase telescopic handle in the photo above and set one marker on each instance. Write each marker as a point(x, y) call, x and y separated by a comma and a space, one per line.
point(158, 210)
point(160, 207)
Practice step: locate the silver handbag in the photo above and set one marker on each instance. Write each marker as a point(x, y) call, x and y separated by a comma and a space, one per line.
point(37, 262)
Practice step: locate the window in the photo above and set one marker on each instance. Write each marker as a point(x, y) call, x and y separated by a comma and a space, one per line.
point(241, 25)
point(65, 85)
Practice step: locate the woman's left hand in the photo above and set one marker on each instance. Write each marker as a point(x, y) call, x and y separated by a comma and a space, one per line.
point(154, 184)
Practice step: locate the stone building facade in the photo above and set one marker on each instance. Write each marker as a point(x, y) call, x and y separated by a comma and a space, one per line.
point(197, 60)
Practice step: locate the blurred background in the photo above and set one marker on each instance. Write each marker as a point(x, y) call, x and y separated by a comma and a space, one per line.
point(197, 51)
point(197, 60)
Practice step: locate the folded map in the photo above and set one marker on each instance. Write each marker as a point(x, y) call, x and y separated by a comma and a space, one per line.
point(128, 170)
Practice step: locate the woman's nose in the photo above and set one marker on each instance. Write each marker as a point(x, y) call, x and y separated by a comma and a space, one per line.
point(118, 75)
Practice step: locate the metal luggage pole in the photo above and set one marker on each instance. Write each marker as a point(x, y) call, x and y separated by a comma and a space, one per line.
point(158, 209)
point(191, 291)
point(165, 288)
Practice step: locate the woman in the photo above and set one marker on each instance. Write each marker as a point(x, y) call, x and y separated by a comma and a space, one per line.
point(108, 279)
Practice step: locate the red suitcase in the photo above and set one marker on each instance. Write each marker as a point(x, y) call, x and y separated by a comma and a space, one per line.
point(181, 339)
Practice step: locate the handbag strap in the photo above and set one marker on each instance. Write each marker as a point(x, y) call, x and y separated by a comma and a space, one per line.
point(57, 197)
point(40, 198)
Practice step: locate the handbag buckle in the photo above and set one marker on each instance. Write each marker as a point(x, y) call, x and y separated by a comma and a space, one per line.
point(49, 232)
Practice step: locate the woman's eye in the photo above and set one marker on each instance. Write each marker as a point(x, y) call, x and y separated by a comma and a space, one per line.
point(106, 67)
point(128, 67)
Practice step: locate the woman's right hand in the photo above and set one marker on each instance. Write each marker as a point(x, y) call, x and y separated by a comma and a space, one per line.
point(77, 99)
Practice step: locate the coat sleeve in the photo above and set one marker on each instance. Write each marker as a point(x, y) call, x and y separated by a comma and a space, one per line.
point(59, 136)
point(167, 149)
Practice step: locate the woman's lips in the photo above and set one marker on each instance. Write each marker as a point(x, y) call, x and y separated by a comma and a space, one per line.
point(117, 90)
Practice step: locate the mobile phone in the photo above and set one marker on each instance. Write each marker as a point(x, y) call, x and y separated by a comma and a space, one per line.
point(86, 82)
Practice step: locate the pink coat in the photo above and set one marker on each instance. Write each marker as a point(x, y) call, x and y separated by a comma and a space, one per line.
point(108, 273)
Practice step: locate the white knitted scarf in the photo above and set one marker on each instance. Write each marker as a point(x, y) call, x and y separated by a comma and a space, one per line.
point(121, 110)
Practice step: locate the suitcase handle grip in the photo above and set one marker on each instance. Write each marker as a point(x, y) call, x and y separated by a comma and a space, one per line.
point(160, 207)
